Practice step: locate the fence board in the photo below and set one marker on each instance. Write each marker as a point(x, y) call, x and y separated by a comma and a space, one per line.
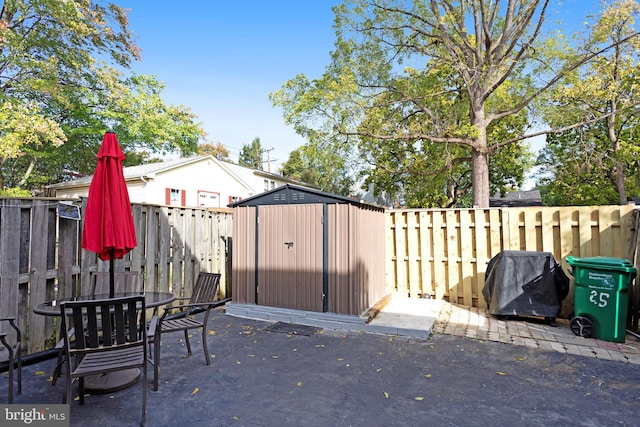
point(481, 237)
point(426, 256)
point(414, 258)
point(467, 261)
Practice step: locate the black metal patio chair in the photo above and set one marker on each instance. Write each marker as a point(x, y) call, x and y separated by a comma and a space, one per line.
point(11, 353)
point(110, 335)
point(181, 317)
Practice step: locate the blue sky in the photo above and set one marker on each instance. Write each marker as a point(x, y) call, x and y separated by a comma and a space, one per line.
point(223, 58)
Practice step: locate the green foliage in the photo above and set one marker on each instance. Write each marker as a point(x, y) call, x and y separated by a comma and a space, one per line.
point(61, 72)
point(251, 155)
point(576, 171)
point(15, 192)
point(216, 150)
point(320, 166)
point(597, 163)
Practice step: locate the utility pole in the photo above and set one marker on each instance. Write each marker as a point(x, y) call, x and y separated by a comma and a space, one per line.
point(268, 158)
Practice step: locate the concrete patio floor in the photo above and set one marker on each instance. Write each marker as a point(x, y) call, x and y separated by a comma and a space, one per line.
point(469, 370)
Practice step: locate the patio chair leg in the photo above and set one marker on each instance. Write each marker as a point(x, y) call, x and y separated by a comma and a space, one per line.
point(144, 393)
point(20, 373)
point(156, 361)
point(204, 345)
point(10, 379)
point(186, 338)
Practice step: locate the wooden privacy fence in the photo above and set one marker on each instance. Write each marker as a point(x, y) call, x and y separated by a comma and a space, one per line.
point(437, 253)
point(443, 253)
point(40, 256)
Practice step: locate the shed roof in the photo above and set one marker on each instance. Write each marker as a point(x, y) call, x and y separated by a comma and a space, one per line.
point(292, 194)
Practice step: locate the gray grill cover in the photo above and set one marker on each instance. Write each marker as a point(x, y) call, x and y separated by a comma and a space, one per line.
point(525, 283)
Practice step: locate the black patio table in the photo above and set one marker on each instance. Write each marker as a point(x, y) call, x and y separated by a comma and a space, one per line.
point(111, 381)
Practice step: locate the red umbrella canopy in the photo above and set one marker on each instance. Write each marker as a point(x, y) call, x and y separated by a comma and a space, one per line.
point(108, 225)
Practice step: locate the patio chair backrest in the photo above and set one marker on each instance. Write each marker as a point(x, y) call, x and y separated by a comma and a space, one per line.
point(205, 289)
point(126, 281)
point(105, 323)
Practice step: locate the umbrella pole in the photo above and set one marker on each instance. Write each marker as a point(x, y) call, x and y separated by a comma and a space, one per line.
point(111, 275)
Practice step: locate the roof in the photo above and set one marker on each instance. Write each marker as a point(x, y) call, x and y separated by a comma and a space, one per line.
point(133, 172)
point(241, 173)
point(295, 195)
point(517, 199)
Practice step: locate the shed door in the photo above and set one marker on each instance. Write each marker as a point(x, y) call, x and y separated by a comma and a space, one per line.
point(290, 256)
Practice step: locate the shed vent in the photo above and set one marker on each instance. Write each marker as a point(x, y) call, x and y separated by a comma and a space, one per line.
point(297, 197)
point(280, 197)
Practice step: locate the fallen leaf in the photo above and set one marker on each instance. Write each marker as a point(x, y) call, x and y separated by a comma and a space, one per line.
point(340, 359)
point(379, 369)
point(235, 417)
point(418, 398)
point(39, 373)
point(213, 356)
point(211, 332)
point(238, 362)
point(520, 358)
point(275, 357)
point(195, 390)
point(500, 373)
point(251, 355)
point(319, 345)
point(299, 383)
point(386, 395)
point(427, 375)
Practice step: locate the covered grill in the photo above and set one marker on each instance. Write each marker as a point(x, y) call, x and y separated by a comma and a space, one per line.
point(525, 283)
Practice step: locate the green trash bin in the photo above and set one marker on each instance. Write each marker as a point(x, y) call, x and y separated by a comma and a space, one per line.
point(601, 295)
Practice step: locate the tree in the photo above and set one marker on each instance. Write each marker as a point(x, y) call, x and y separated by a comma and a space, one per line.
point(251, 155)
point(602, 151)
point(574, 172)
point(216, 150)
point(443, 73)
point(62, 69)
point(322, 168)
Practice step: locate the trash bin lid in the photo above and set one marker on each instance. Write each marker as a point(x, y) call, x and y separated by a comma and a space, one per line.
point(602, 263)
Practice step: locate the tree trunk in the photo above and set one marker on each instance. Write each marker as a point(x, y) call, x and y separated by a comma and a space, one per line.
point(480, 154)
point(480, 178)
point(615, 146)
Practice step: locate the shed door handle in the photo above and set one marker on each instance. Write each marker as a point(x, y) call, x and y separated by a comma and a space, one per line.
point(289, 244)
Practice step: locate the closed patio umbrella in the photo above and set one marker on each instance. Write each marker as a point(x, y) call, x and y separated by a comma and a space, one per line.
point(108, 225)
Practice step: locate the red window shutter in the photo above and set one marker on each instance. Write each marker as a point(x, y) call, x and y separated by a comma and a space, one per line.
point(167, 196)
point(183, 197)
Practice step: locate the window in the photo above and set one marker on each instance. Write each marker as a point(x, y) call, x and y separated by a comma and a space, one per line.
point(208, 199)
point(269, 185)
point(175, 197)
point(233, 199)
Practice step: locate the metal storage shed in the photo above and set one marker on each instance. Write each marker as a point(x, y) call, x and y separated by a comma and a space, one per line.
point(299, 248)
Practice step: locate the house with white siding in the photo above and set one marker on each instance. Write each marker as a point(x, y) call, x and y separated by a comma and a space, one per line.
point(195, 181)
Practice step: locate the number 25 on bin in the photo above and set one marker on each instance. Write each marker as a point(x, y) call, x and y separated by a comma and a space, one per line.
point(599, 299)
